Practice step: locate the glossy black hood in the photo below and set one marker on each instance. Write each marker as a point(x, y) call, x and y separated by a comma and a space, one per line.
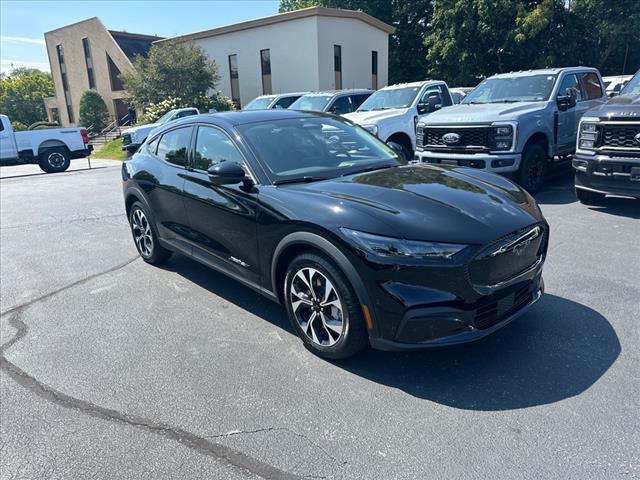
point(622, 107)
point(420, 202)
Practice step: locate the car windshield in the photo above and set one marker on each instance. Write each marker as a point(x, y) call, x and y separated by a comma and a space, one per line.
point(390, 98)
point(529, 88)
point(315, 148)
point(259, 103)
point(165, 118)
point(633, 87)
point(312, 103)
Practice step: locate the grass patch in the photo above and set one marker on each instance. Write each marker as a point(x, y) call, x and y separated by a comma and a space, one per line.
point(111, 150)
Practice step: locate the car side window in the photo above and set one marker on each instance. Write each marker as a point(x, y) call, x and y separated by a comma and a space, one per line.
point(571, 81)
point(592, 86)
point(214, 146)
point(358, 100)
point(342, 105)
point(152, 146)
point(174, 146)
point(434, 98)
point(284, 102)
point(186, 113)
point(1, 126)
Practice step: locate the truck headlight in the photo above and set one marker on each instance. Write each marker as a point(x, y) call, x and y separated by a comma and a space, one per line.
point(588, 136)
point(501, 137)
point(373, 129)
point(398, 249)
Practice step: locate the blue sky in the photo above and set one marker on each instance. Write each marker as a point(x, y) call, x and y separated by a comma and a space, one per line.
point(23, 23)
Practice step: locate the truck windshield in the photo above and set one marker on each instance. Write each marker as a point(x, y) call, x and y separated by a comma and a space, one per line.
point(529, 88)
point(312, 103)
point(259, 103)
point(390, 98)
point(633, 87)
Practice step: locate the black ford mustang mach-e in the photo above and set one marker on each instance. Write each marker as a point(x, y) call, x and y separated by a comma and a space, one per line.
point(318, 214)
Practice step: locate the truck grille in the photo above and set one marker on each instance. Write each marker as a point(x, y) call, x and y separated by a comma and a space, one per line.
point(508, 256)
point(620, 136)
point(126, 139)
point(470, 138)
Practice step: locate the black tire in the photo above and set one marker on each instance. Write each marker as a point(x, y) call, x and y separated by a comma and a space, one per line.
point(54, 160)
point(398, 147)
point(353, 337)
point(150, 251)
point(587, 197)
point(533, 168)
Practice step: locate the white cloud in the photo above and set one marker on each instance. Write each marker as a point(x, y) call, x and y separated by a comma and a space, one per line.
point(22, 40)
point(7, 65)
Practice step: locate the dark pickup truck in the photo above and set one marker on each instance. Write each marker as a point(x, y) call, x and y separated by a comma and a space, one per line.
point(607, 159)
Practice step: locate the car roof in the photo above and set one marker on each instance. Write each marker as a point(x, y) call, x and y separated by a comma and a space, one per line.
point(241, 117)
point(411, 84)
point(543, 71)
point(339, 92)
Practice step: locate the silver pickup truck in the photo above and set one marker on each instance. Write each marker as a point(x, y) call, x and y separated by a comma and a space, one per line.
point(514, 123)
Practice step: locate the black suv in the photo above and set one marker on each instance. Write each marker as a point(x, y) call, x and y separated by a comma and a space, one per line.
point(607, 159)
point(318, 214)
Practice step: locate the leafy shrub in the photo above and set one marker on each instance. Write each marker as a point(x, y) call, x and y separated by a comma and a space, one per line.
point(204, 103)
point(18, 126)
point(93, 111)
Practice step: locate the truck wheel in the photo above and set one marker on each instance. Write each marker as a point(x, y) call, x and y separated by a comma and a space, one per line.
point(587, 197)
point(54, 160)
point(533, 168)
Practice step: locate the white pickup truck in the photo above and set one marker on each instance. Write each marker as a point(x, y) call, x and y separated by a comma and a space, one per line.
point(392, 112)
point(52, 148)
point(133, 137)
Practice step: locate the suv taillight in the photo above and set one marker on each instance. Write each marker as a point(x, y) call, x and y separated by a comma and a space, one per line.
point(85, 135)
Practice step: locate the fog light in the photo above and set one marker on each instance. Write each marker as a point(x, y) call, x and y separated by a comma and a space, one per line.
point(503, 145)
point(506, 162)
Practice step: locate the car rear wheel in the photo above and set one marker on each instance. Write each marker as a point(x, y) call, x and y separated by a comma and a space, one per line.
point(323, 308)
point(533, 168)
point(145, 236)
point(54, 160)
point(587, 197)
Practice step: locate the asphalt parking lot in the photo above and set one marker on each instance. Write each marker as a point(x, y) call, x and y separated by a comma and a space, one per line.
point(115, 369)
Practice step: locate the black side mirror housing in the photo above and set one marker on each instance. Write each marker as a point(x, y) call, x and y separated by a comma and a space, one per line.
point(422, 108)
point(568, 100)
point(227, 173)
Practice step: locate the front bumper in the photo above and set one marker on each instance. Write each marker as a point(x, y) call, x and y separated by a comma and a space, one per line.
point(490, 162)
point(607, 174)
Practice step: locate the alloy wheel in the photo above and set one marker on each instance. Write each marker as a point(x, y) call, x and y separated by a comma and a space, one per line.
point(142, 234)
point(317, 307)
point(56, 159)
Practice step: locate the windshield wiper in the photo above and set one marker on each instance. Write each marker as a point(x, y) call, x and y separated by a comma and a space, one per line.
point(474, 103)
point(305, 179)
point(507, 101)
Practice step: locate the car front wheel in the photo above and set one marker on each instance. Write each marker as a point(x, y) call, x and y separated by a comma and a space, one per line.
point(533, 168)
point(323, 308)
point(145, 237)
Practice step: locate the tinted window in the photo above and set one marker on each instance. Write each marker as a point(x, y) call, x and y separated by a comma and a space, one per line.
point(285, 102)
point(174, 146)
point(435, 97)
point(214, 146)
point(591, 84)
point(571, 81)
point(186, 113)
point(357, 100)
point(341, 105)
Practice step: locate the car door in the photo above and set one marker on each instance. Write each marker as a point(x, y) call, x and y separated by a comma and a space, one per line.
point(7, 143)
point(162, 179)
point(222, 218)
point(567, 123)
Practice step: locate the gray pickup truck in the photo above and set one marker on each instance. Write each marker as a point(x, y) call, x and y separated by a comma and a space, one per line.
point(607, 159)
point(515, 123)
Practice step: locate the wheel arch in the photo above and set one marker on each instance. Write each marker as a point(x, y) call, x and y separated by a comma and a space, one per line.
point(294, 244)
point(541, 139)
point(47, 144)
point(131, 196)
point(403, 139)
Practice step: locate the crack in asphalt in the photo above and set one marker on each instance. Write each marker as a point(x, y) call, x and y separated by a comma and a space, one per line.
point(229, 456)
point(63, 221)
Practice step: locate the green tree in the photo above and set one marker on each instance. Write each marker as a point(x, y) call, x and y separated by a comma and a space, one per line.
point(22, 95)
point(407, 52)
point(93, 111)
point(171, 70)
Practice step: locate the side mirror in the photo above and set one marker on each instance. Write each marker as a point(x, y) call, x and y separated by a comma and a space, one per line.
point(568, 100)
point(226, 173)
point(422, 108)
point(398, 150)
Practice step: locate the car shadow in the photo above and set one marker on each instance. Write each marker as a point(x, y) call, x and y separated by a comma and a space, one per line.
point(620, 207)
point(555, 351)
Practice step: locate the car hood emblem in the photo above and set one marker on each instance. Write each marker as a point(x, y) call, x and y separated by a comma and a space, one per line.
point(450, 138)
point(520, 244)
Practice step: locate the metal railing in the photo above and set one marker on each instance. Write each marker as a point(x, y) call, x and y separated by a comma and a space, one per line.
point(112, 131)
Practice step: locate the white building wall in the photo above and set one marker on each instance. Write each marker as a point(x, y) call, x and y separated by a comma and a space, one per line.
point(357, 40)
point(293, 46)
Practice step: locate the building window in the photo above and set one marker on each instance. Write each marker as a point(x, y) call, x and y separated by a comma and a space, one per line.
point(374, 70)
point(114, 75)
point(88, 62)
point(65, 83)
point(235, 81)
point(337, 65)
point(265, 63)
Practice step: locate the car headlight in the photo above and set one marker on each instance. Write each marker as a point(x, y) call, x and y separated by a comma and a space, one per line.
point(398, 249)
point(501, 137)
point(588, 136)
point(371, 129)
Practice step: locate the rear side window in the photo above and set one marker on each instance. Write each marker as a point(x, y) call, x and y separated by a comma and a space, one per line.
point(214, 146)
point(591, 84)
point(571, 81)
point(174, 146)
point(284, 102)
point(1, 126)
point(341, 105)
point(358, 100)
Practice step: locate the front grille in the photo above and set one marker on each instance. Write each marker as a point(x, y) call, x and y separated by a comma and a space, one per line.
point(126, 139)
point(490, 314)
point(620, 136)
point(509, 256)
point(470, 138)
